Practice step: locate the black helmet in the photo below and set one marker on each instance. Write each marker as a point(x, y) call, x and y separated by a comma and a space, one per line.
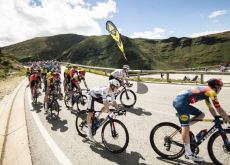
point(214, 83)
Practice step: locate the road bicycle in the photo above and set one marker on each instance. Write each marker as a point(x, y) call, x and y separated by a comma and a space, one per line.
point(53, 106)
point(166, 141)
point(127, 97)
point(114, 133)
point(79, 100)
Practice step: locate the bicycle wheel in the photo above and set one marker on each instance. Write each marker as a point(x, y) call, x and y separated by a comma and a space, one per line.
point(115, 136)
point(81, 123)
point(166, 141)
point(67, 100)
point(54, 110)
point(82, 102)
point(217, 150)
point(35, 95)
point(128, 98)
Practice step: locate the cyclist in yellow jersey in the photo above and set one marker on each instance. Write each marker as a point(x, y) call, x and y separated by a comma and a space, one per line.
point(182, 104)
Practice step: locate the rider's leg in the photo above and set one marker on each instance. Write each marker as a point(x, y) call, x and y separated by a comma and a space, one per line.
point(184, 111)
point(89, 117)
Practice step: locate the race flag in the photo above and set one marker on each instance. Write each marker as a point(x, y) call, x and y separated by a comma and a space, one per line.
point(116, 36)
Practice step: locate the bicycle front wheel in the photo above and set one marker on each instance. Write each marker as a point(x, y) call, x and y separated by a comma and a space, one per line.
point(54, 110)
point(115, 136)
point(81, 123)
point(166, 141)
point(82, 102)
point(218, 152)
point(128, 98)
point(67, 100)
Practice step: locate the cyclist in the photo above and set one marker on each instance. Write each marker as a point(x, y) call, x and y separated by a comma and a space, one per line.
point(120, 74)
point(66, 76)
point(34, 79)
point(50, 87)
point(100, 95)
point(182, 104)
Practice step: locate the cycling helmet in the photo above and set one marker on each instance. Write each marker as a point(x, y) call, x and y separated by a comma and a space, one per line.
point(215, 83)
point(114, 82)
point(125, 67)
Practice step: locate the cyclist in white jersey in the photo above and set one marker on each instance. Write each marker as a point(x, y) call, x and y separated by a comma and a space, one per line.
point(120, 74)
point(100, 95)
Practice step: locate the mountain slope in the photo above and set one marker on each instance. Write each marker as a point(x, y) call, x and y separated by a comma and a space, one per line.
point(172, 53)
point(42, 48)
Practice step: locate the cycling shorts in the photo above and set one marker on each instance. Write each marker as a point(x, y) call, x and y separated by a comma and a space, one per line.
point(91, 101)
point(184, 109)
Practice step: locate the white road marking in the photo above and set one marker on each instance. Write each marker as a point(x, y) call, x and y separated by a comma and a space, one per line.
point(61, 157)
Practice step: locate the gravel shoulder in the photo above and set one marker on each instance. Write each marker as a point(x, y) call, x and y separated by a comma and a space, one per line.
point(8, 85)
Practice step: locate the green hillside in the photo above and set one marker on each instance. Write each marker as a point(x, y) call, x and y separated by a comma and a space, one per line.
point(8, 65)
point(172, 53)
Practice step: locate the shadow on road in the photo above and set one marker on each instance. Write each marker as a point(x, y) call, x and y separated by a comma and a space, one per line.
point(57, 124)
point(179, 161)
point(122, 158)
point(138, 111)
point(38, 107)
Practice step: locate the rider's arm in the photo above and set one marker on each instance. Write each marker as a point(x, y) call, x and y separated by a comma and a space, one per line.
point(211, 109)
point(85, 84)
point(223, 114)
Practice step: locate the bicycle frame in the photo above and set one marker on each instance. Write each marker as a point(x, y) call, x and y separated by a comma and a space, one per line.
point(216, 126)
point(108, 118)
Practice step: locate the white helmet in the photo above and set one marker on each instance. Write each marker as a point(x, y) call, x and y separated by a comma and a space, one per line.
point(125, 67)
point(114, 82)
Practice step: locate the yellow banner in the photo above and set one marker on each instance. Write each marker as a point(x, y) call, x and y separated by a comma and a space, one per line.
point(116, 36)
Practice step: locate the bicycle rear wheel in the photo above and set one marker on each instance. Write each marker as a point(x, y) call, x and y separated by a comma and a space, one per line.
point(82, 102)
point(54, 110)
point(115, 136)
point(81, 123)
point(128, 98)
point(217, 151)
point(166, 141)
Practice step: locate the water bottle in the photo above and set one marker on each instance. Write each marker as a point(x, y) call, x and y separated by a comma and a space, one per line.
point(201, 134)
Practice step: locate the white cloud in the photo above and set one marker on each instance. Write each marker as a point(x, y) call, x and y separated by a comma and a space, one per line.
point(207, 33)
point(156, 33)
point(24, 19)
point(218, 13)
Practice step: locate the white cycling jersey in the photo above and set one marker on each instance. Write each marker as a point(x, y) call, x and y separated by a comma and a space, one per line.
point(102, 92)
point(119, 73)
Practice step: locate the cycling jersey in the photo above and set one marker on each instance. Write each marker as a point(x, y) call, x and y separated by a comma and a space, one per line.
point(48, 75)
point(34, 77)
point(102, 92)
point(119, 73)
point(72, 72)
point(67, 71)
point(183, 102)
point(99, 95)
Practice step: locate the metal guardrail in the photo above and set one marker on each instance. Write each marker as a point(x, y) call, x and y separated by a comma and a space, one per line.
point(139, 73)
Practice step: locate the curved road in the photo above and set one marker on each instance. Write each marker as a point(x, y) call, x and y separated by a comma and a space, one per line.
point(57, 142)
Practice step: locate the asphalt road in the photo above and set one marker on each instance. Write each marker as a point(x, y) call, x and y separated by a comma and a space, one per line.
point(57, 142)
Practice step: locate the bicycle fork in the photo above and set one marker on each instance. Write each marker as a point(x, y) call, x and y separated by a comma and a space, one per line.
point(113, 129)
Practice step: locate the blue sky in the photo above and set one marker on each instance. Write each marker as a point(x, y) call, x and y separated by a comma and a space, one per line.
point(178, 17)
point(153, 19)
